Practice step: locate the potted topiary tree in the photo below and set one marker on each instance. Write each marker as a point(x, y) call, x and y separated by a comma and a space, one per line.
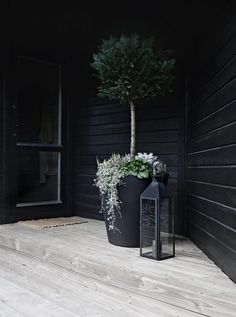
point(131, 70)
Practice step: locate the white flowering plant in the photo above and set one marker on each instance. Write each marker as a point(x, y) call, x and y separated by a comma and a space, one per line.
point(111, 173)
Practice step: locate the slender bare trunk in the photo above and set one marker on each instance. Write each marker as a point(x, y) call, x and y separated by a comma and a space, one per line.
point(133, 129)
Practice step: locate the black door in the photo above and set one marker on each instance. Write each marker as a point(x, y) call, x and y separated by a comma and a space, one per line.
point(38, 161)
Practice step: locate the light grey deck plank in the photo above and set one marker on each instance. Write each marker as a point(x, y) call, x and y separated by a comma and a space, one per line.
point(6, 310)
point(190, 281)
point(31, 281)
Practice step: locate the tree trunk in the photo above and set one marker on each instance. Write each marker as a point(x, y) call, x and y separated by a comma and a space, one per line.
point(133, 129)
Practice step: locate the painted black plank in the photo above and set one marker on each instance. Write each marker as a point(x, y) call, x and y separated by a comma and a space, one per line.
point(222, 255)
point(226, 74)
point(88, 198)
point(147, 114)
point(215, 228)
point(160, 136)
point(213, 46)
point(89, 210)
point(100, 150)
point(222, 194)
point(216, 138)
point(157, 148)
point(224, 175)
point(86, 188)
point(220, 156)
point(105, 104)
point(105, 119)
point(144, 112)
point(104, 129)
point(170, 123)
point(124, 127)
point(108, 107)
point(160, 112)
point(223, 55)
point(222, 213)
point(119, 138)
point(218, 100)
point(166, 136)
point(216, 120)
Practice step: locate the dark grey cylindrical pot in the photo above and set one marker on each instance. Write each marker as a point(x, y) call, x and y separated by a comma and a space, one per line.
point(128, 223)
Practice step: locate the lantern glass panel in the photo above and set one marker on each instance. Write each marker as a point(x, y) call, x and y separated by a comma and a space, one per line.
point(166, 228)
point(148, 225)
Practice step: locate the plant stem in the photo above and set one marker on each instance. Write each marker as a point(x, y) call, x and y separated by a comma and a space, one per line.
point(133, 128)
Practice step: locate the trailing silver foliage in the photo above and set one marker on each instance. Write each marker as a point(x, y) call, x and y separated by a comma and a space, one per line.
point(111, 173)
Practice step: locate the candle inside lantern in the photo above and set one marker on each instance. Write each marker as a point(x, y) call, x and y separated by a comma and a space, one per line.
point(154, 249)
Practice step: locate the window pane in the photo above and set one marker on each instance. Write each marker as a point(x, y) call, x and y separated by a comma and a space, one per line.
point(148, 228)
point(38, 176)
point(38, 102)
point(166, 227)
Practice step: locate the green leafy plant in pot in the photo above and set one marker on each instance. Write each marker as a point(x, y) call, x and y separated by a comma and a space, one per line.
point(131, 70)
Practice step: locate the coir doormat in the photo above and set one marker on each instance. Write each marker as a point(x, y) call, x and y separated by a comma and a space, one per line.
point(52, 222)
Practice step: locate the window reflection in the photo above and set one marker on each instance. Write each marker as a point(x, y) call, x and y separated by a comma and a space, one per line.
point(38, 178)
point(38, 102)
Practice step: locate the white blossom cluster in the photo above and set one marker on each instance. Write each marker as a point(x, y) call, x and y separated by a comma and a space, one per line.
point(158, 166)
point(149, 158)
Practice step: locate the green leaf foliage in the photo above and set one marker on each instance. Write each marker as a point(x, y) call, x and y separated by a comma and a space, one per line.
point(137, 168)
point(131, 68)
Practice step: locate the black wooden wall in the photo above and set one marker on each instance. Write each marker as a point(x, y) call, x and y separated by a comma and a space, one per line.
point(1, 148)
point(104, 128)
point(211, 158)
point(2, 135)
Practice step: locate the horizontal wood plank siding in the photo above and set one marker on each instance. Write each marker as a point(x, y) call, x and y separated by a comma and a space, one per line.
point(211, 147)
point(104, 128)
point(2, 102)
point(1, 157)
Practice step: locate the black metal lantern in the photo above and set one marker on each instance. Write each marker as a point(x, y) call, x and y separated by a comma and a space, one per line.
point(157, 239)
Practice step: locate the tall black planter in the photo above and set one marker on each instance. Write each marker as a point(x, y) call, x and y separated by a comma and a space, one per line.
point(128, 223)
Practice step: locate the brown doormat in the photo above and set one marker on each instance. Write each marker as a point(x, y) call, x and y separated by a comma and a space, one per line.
point(52, 222)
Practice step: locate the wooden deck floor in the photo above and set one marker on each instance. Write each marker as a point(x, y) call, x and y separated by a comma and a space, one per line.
point(73, 271)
